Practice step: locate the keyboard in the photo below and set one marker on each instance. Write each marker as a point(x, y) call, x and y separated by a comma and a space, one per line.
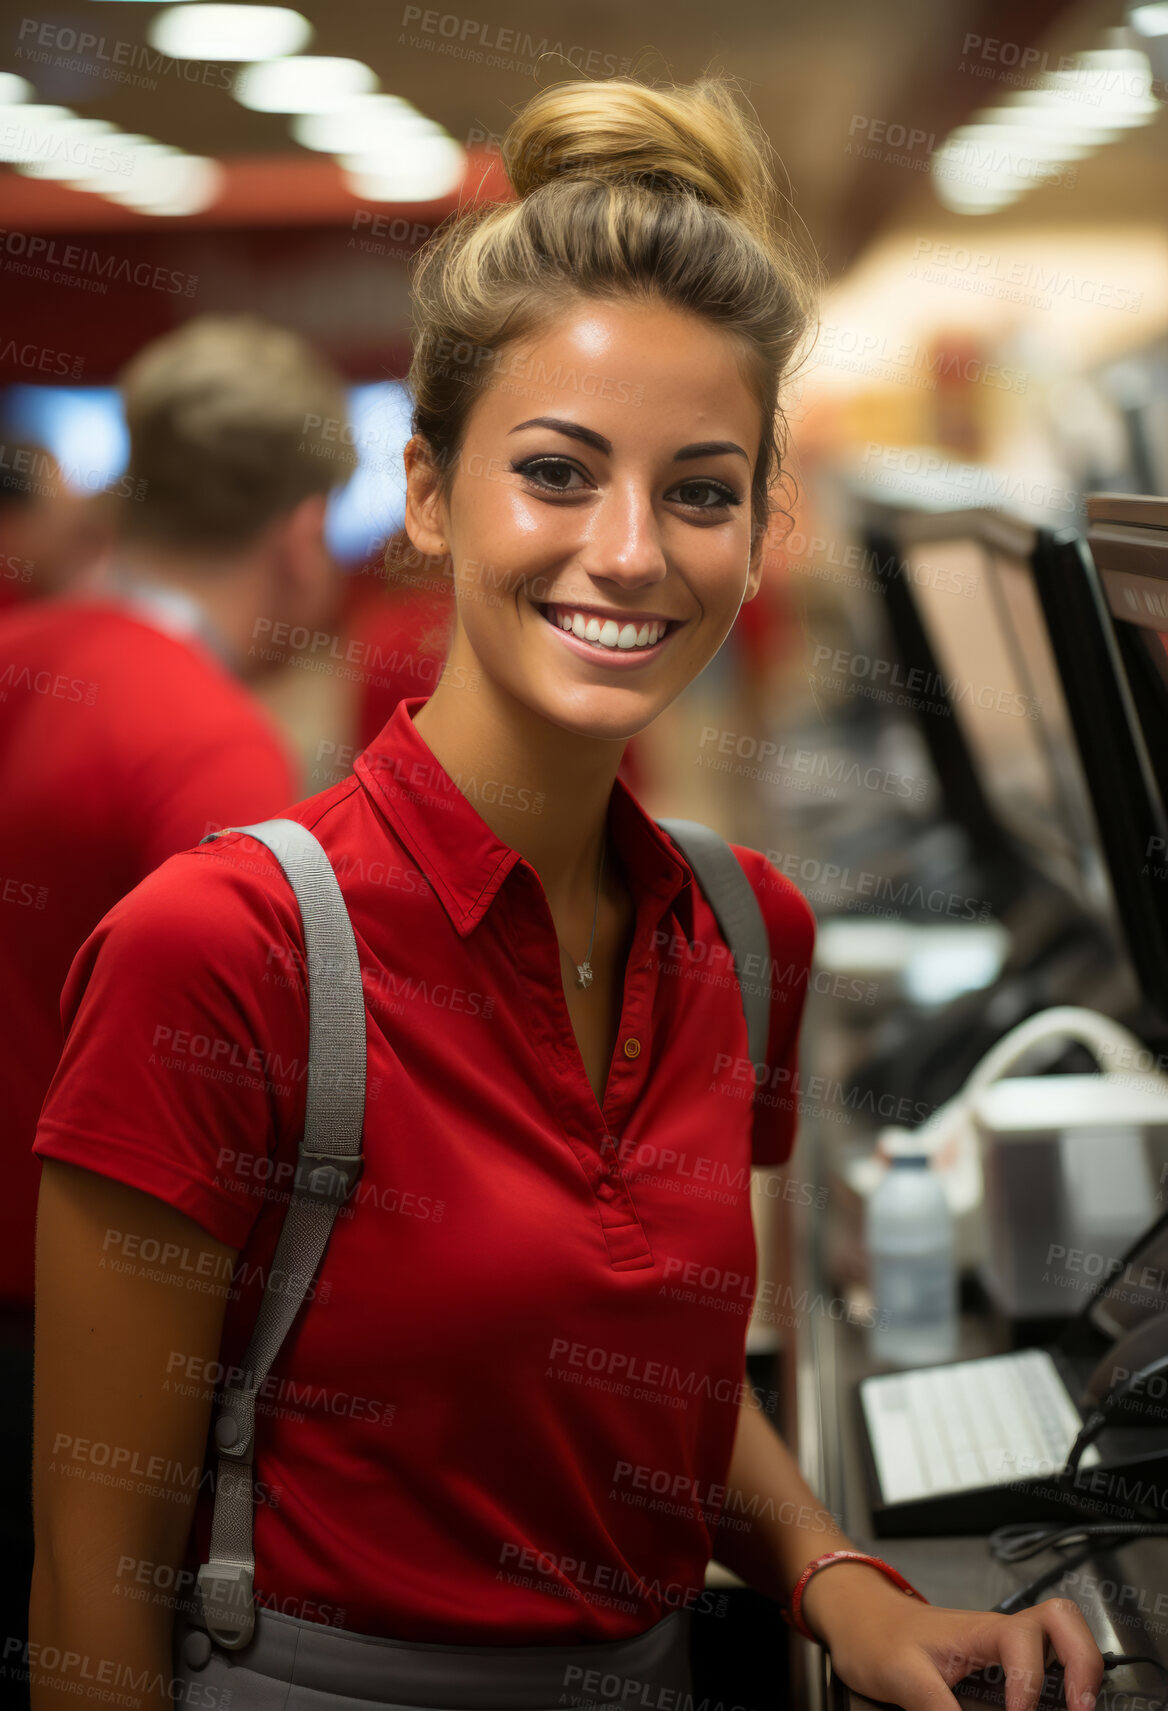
point(969, 1425)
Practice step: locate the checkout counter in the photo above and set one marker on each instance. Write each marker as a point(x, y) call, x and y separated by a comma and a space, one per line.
point(1062, 816)
point(817, 1363)
point(1123, 1593)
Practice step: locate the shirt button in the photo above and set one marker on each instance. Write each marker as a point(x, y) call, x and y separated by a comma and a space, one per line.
point(632, 1047)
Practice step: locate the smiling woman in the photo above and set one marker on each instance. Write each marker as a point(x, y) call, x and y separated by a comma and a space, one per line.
point(451, 1449)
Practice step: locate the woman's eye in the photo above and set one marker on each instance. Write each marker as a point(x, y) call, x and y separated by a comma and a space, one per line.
point(553, 474)
point(721, 495)
point(544, 471)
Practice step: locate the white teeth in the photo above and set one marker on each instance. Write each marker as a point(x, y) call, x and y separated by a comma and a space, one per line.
point(608, 634)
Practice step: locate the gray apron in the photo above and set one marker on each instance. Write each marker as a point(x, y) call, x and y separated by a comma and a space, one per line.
point(293, 1665)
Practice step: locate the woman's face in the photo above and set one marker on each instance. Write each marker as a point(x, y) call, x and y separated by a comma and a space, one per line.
point(602, 498)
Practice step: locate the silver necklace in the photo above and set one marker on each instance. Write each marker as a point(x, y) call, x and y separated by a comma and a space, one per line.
point(584, 969)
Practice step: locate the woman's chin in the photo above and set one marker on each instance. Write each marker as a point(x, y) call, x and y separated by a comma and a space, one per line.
point(608, 712)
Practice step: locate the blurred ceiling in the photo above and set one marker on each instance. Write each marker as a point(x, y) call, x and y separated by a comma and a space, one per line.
point(826, 79)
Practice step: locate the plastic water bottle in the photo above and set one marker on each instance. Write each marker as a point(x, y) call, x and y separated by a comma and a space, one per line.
point(909, 1233)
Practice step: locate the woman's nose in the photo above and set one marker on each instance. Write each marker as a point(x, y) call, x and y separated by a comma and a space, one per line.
point(624, 537)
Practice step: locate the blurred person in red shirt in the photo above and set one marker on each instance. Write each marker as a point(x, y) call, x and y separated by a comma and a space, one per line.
point(127, 727)
point(51, 539)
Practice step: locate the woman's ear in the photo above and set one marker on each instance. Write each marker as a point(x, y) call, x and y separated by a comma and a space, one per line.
point(757, 563)
point(423, 520)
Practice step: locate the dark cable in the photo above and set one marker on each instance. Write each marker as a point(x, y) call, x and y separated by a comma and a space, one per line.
point(1113, 1660)
point(1020, 1539)
point(1103, 1412)
point(1017, 1541)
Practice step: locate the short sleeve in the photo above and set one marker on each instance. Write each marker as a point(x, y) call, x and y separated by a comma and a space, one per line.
point(790, 926)
point(186, 1030)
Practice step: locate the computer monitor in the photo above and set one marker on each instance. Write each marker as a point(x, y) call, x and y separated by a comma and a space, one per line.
point(985, 669)
point(1128, 539)
point(958, 779)
point(1127, 795)
point(1013, 625)
point(84, 428)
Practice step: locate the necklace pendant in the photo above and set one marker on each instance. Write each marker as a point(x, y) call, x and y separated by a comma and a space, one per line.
point(584, 973)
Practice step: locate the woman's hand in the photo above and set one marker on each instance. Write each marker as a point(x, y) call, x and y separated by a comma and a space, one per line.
point(892, 1647)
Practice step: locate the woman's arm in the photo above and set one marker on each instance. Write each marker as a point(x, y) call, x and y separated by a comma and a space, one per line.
point(882, 1642)
point(119, 1431)
point(776, 1523)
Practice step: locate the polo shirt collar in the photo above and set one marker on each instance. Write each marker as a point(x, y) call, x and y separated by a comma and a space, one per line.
point(465, 863)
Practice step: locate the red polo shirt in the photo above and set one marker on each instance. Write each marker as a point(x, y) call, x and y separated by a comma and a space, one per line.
point(506, 1413)
point(119, 745)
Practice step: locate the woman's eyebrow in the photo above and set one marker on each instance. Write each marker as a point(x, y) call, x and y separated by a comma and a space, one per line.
point(709, 448)
point(573, 430)
point(700, 448)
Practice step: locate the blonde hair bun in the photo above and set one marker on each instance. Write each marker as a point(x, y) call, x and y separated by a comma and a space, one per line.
point(693, 137)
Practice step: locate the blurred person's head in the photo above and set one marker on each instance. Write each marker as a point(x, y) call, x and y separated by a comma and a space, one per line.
point(643, 292)
point(238, 434)
point(52, 540)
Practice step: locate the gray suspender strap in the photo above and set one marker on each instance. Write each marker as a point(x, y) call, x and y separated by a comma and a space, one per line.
point(731, 897)
point(328, 1166)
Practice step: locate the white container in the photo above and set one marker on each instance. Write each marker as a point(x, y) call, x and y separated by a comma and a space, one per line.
point(1073, 1167)
point(910, 1242)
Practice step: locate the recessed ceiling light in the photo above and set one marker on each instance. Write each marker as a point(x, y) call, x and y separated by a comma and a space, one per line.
point(302, 83)
point(1150, 20)
point(1012, 148)
point(228, 32)
point(963, 199)
point(173, 184)
point(115, 164)
point(363, 122)
point(1111, 85)
point(1023, 145)
point(24, 129)
point(1073, 107)
point(966, 185)
point(1043, 122)
point(14, 89)
point(66, 148)
point(976, 163)
point(420, 169)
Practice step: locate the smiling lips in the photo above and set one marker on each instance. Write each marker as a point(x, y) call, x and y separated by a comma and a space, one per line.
point(607, 633)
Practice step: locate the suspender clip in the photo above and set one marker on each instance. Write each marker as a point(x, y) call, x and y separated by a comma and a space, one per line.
point(327, 1176)
point(227, 1593)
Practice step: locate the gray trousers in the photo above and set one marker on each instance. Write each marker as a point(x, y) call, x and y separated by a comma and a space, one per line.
point(293, 1665)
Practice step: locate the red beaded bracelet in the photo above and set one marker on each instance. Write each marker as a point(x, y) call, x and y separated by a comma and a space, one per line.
point(794, 1614)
